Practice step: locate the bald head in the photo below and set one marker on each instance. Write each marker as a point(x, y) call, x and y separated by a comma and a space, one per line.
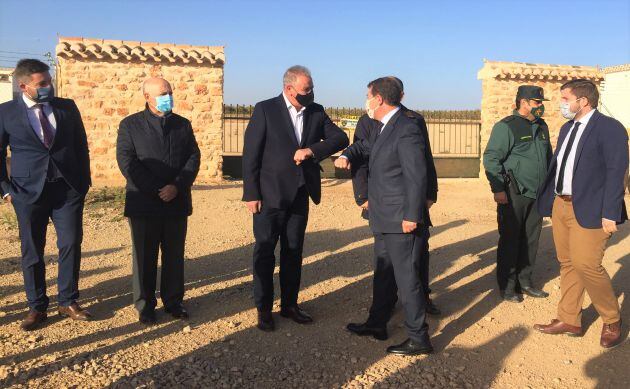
point(154, 87)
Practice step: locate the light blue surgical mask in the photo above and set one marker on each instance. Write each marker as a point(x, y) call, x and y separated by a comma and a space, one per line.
point(164, 103)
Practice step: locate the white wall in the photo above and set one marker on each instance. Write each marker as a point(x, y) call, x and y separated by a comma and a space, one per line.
point(615, 96)
point(6, 91)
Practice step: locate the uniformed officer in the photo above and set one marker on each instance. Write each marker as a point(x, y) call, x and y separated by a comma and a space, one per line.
point(516, 161)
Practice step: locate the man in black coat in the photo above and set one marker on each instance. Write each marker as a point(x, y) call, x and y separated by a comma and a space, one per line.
point(158, 155)
point(285, 140)
point(50, 176)
point(398, 215)
point(360, 172)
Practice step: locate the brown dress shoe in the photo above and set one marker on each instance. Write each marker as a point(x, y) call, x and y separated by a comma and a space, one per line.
point(611, 335)
point(74, 312)
point(33, 320)
point(556, 327)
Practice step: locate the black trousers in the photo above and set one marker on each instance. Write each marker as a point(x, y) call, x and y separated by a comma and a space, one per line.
point(519, 231)
point(148, 235)
point(397, 265)
point(64, 206)
point(287, 225)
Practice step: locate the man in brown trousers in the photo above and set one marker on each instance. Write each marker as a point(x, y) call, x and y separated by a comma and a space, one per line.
point(584, 195)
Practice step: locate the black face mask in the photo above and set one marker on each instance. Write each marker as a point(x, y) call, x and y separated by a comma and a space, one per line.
point(306, 99)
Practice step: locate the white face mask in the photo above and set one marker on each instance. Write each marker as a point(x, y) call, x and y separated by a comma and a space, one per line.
point(565, 110)
point(370, 111)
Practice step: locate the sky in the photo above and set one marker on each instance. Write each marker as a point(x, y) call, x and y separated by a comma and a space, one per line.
point(435, 47)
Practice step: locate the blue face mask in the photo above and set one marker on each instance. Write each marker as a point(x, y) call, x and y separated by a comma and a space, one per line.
point(44, 94)
point(164, 103)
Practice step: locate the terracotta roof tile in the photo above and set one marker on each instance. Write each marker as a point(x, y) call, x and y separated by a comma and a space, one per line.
point(618, 68)
point(73, 47)
point(536, 72)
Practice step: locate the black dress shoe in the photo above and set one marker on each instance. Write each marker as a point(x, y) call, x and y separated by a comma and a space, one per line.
point(296, 314)
point(511, 297)
point(533, 292)
point(265, 321)
point(178, 311)
point(364, 329)
point(147, 317)
point(410, 347)
point(431, 308)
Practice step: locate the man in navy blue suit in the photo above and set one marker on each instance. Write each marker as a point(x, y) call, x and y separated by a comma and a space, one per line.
point(49, 178)
point(398, 213)
point(583, 193)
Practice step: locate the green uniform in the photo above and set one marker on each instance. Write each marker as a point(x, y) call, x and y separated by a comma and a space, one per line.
point(516, 160)
point(519, 146)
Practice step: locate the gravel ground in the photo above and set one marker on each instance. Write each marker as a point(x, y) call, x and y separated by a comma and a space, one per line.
point(480, 341)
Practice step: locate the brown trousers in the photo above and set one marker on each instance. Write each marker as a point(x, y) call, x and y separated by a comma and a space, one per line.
point(580, 252)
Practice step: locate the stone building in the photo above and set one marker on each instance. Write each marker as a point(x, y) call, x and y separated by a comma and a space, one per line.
point(105, 77)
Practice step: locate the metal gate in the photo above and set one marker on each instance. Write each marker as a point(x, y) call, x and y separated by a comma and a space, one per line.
point(450, 136)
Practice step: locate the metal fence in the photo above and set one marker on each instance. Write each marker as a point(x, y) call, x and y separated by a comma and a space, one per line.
point(451, 133)
point(235, 120)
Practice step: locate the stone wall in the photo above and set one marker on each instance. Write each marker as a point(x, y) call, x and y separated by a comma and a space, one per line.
point(500, 81)
point(105, 77)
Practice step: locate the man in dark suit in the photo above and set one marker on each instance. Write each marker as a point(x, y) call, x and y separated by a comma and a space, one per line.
point(583, 193)
point(158, 155)
point(286, 138)
point(398, 216)
point(366, 129)
point(50, 176)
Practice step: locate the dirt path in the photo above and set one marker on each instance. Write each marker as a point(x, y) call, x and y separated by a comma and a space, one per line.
point(480, 341)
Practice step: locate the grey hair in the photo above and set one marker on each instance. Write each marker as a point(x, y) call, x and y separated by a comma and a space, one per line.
point(290, 76)
point(144, 85)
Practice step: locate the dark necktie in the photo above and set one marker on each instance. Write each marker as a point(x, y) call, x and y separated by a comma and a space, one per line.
point(379, 129)
point(565, 157)
point(47, 128)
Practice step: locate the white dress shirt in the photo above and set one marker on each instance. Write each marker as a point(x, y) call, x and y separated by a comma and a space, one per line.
point(568, 171)
point(297, 118)
point(33, 116)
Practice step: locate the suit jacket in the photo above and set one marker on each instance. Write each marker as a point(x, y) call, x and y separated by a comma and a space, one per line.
point(30, 158)
point(152, 153)
point(398, 174)
point(367, 129)
point(601, 164)
point(269, 171)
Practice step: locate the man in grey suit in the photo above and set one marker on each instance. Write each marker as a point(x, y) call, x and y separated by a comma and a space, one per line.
point(398, 216)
